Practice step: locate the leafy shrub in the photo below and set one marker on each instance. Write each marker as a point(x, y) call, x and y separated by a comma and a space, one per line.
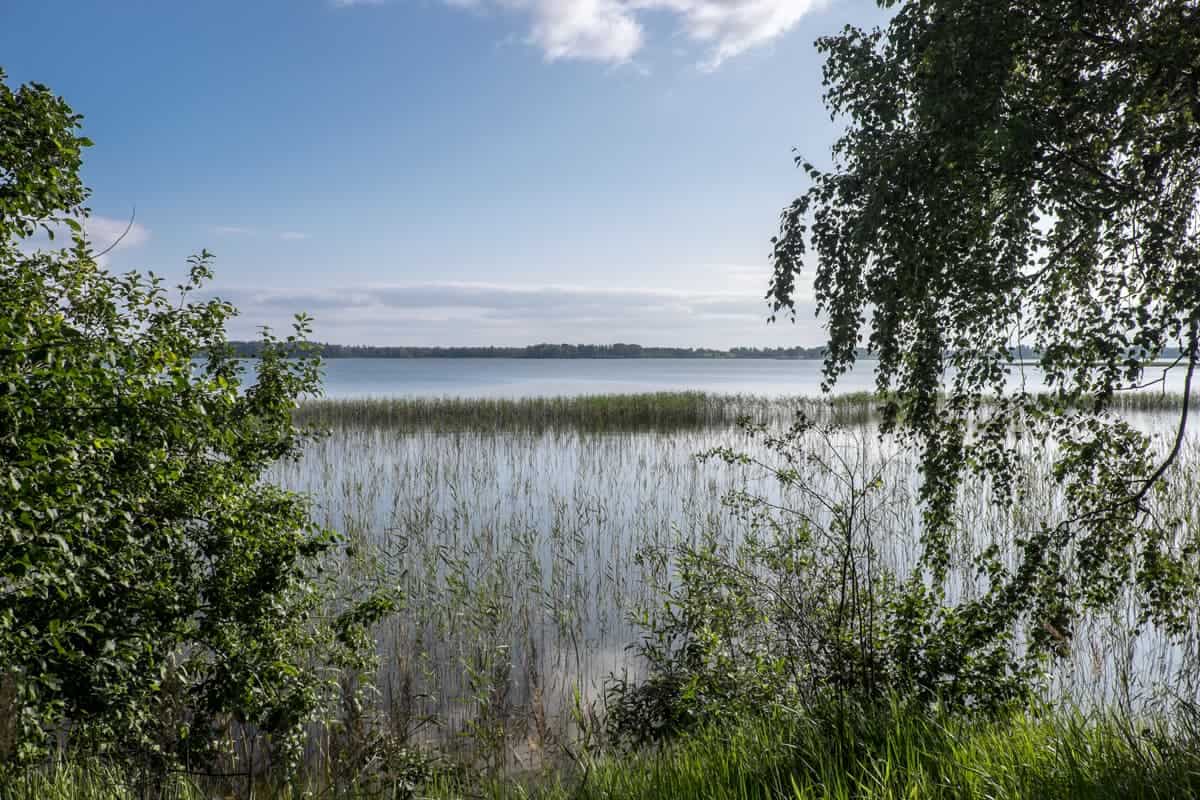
point(800, 610)
point(156, 597)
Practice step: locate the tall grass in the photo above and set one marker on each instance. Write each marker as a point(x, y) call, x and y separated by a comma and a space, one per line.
point(893, 754)
point(93, 779)
point(888, 753)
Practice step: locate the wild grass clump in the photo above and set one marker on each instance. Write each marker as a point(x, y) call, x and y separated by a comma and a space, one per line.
point(93, 779)
point(827, 752)
point(525, 565)
point(892, 752)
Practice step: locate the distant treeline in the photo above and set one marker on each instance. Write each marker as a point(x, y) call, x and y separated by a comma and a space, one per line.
point(252, 349)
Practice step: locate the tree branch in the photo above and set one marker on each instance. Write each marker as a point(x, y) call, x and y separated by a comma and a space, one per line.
point(1193, 347)
point(128, 228)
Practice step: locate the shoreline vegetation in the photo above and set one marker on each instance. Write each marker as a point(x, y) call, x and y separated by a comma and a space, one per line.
point(246, 349)
point(881, 754)
point(468, 564)
point(251, 349)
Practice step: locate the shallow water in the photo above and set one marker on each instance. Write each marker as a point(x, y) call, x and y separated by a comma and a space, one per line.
point(518, 553)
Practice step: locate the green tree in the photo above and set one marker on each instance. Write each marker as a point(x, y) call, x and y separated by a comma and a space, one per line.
point(154, 590)
point(1018, 177)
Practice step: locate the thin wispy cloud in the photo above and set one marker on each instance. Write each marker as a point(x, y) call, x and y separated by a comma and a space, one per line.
point(477, 313)
point(613, 31)
point(242, 230)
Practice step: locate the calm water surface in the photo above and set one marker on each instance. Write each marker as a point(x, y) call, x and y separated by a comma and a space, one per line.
point(524, 377)
point(517, 377)
point(518, 552)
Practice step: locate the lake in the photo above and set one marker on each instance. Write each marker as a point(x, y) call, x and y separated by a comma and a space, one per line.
point(519, 549)
point(527, 377)
point(519, 377)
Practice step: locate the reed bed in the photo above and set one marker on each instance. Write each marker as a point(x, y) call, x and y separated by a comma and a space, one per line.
point(653, 412)
point(515, 536)
point(663, 412)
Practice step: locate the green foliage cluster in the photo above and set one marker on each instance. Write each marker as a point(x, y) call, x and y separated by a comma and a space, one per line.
point(157, 598)
point(1019, 177)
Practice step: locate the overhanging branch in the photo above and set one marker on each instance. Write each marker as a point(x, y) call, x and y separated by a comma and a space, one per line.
point(1193, 348)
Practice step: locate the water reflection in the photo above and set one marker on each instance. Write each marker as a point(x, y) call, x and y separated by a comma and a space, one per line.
point(518, 555)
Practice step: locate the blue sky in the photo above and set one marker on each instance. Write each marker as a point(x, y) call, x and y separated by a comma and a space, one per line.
point(451, 171)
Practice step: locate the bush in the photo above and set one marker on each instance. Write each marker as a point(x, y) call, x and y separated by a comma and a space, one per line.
point(800, 610)
point(156, 597)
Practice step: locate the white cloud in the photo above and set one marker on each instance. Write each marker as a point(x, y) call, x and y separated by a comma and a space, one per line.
point(590, 30)
point(612, 31)
point(233, 230)
point(105, 231)
point(731, 27)
point(293, 236)
point(114, 235)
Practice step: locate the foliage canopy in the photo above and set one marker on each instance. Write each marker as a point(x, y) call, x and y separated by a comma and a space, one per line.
point(1018, 178)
